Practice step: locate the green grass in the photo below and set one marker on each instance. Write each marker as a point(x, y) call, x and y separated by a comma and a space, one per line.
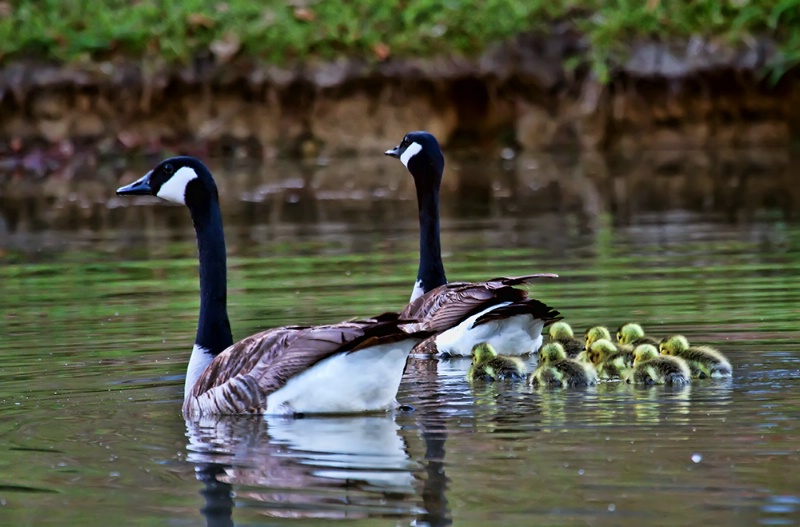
point(278, 32)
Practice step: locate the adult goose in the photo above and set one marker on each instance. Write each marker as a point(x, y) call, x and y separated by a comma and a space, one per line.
point(349, 367)
point(463, 314)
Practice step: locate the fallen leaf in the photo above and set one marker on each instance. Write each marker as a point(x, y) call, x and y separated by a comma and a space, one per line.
point(652, 4)
point(304, 14)
point(381, 51)
point(225, 48)
point(129, 139)
point(200, 20)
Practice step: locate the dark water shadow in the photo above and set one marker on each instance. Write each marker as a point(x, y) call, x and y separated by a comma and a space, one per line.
point(322, 468)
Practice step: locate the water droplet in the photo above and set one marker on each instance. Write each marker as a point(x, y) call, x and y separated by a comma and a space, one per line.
point(697, 458)
point(580, 472)
point(611, 507)
point(113, 474)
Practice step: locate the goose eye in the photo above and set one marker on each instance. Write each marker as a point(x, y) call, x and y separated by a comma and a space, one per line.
point(169, 169)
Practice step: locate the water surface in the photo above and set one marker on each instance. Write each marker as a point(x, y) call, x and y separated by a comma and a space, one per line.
point(99, 305)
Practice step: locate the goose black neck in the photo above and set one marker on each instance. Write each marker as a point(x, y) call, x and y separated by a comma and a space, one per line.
point(213, 325)
point(431, 269)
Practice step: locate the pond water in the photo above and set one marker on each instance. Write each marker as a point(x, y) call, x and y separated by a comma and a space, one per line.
point(99, 305)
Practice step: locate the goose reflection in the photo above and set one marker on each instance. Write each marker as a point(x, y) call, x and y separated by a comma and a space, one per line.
point(332, 468)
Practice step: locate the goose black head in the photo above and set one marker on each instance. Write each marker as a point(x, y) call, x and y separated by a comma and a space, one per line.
point(181, 179)
point(421, 154)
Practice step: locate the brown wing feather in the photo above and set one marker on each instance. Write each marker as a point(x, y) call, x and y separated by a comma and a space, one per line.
point(449, 304)
point(530, 306)
point(241, 377)
point(319, 343)
point(241, 357)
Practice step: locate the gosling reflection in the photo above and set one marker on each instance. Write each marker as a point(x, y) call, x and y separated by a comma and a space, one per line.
point(653, 404)
point(324, 468)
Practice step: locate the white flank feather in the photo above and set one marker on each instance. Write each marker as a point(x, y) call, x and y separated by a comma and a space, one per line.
point(330, 386)
point(517, 335)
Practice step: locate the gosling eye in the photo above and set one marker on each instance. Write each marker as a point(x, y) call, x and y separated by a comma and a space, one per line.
point(169, 169)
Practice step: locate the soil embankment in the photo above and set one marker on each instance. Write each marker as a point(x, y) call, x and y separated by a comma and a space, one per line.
point(519, 94)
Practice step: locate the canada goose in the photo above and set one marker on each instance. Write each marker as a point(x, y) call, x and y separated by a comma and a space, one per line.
point(349, 367)
point(492, 312)
point(703, 361)
point(489, 366)
point(632, 334)
point(561, 332)
point(555, 369)
point(651, 368)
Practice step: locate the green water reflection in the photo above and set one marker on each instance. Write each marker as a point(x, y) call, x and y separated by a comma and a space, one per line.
point(97, 324)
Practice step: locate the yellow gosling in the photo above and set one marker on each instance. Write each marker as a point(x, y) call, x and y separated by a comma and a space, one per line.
point(487, 365)
point(651, 368)
point(562, 333)
point(610, 361)
point(703, 361)
point(595, 333)
point(633, 334)
point(555, 369)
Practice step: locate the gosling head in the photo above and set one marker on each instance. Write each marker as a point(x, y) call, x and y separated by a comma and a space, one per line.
point(483, 352)
point(629, 332)
point(182, 179)
point(673, 344)
point(560, 330)
point(551, 352)
point(600, 350)
point(596, 333)
point(644, 352)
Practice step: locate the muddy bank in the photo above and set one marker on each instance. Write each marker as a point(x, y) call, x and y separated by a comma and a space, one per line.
point(699, 94)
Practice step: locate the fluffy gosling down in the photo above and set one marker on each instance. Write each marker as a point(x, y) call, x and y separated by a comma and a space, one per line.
point(555, 369)
point(595, 333)
point(633, 335)
point(703, 361)
point(610, 361)
point(561, 332)
point(487, 365)
point(651, 368)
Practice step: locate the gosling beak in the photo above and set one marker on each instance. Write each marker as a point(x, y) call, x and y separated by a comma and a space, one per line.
point(140, 187)
point(394, 152)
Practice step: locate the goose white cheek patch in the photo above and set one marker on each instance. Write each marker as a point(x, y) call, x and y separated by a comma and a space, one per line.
point(412, 150)
point(174, 189)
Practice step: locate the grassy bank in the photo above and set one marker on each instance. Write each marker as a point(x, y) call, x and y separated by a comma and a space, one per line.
point(280, 31)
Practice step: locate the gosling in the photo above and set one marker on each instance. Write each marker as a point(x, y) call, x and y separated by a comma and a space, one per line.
point(633, 335)
point(610, 361)
point(703, 361)
point(651, 368)
point(487, 365)
point(561, 332)
point(555, 369)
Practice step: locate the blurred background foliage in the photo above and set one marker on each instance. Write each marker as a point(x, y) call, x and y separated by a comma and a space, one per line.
point(280, 32)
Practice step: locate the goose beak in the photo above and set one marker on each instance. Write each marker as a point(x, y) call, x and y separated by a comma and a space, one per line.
point(394, 152)
point(140, 187)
